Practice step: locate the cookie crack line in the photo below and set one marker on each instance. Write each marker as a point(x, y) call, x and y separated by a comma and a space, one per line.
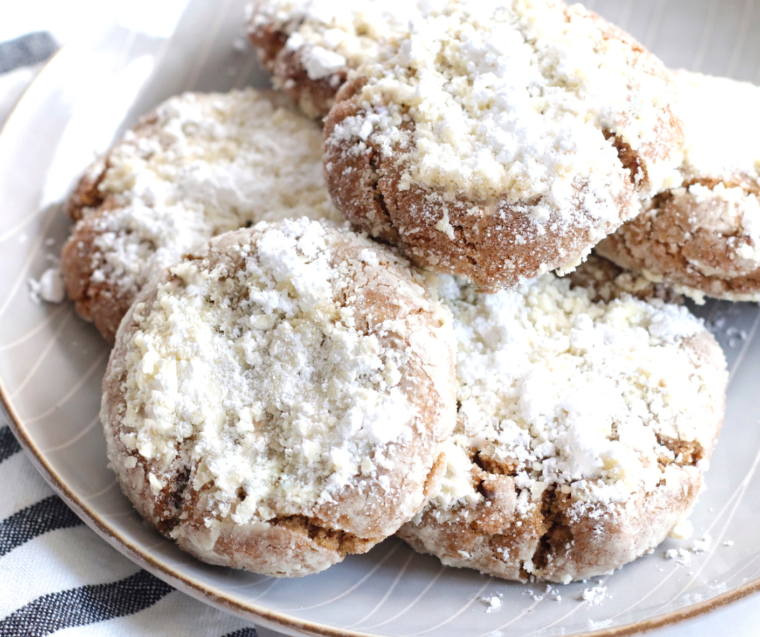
point(379, 195)
point(556, 537)
point(685, 453)
point(178, 508)
point(628, 159)
point(320, 533)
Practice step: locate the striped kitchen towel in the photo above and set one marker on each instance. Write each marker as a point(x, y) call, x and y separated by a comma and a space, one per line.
point(56, 576)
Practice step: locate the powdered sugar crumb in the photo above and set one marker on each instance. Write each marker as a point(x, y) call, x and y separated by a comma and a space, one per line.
point(492, 602)
point(683, 555)
point(595, 595)
point(48, 288)
point(702, 545)
point(682, 531)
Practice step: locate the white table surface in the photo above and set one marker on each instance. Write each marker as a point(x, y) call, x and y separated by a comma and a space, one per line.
point(64, 19)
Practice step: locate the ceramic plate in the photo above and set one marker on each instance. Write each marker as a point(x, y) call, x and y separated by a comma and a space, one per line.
point(51, 363)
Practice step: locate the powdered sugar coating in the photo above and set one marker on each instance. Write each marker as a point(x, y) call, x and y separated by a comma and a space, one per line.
point(324, 39)
point(722, 136)
point(513, 97)
point(583, 430)
point(200, 165)
point(541, 117)
point(704, 238)
point(333, 34)
point(294, 374)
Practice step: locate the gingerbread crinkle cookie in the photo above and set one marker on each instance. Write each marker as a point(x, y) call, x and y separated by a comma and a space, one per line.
point(501, 140)
point(198, 166)
point(584, 430)
point(703, 238)
point(280, 398)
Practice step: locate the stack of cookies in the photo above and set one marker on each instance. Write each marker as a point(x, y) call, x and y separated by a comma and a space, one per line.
point(366, 304)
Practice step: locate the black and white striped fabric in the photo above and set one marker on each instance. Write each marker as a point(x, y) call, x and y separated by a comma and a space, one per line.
point(56, 576)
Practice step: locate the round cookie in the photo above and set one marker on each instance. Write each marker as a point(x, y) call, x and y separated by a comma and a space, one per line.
point(584, 429)
point(501, 140)
point(198, 166)
point(311, 45)
point(280, 398)
point(704, 237)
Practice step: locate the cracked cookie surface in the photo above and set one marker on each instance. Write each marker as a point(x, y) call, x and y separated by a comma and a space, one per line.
point(502, 140)
point(310, 46)
point(584, 429)
point(200, 165)
point(280, 398)
point(704, 237)
point(605, 281)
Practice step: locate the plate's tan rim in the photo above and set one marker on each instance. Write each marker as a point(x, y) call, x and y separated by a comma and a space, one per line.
point(255, 612)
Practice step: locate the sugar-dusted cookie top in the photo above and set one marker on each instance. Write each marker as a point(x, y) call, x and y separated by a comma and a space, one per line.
point(199, 165)
point(584, 428)
point(280, 397)
point(722, 139)
point(704, 237)
point(502, 139)
point(311, 45)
